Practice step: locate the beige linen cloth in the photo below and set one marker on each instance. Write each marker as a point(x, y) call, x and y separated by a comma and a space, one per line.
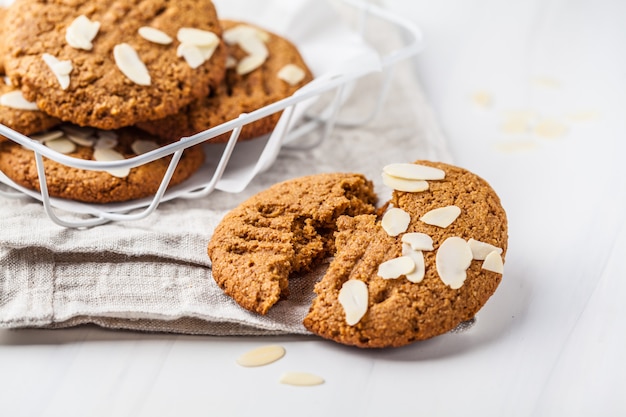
point(155, 275)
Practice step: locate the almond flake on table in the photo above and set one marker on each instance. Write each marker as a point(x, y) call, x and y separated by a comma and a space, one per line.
point(81, 32)
point(442, 216)
point(550, 129)
point(301, 379)
point(15, 100)
point(414, 171)
point(261, 356)
point(129, 63)
point(453, 258)
point(395, 221)
point(108, 155)
point(353, 297)
point(291, 74)
point(401, 184)
point(155, 35)
point(60, 69)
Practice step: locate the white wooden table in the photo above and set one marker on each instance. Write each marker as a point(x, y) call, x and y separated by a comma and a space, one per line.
point(549, 342)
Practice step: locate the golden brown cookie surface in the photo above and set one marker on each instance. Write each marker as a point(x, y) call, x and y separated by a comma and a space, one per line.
point(282, 231)
point(239, 93)
point(400, 311)
point(18, 163)
point(99, 91)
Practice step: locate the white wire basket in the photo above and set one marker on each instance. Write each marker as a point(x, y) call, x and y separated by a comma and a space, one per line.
point(337, 83)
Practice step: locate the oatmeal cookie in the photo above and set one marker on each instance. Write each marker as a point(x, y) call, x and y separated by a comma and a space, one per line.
point(18, 163)
point(88, 62)
point(241, 92)
point(282, 231)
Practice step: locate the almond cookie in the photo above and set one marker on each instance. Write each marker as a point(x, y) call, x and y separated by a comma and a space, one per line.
point(263, 68)
point(3, 13)
point(18, 163)
point(280, 232)
point(430, 263)
point(21, 115)
point(110, 64)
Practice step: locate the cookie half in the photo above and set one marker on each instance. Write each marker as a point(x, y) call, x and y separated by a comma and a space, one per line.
point(432, 298)
point(281, 231)
point(94, 63)
point(250, 84)
point(18, 163)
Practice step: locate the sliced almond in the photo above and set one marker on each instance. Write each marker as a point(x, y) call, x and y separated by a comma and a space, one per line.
point(107, 155)
point(141, 146)
point(414, 172)
point(15, 100)
point(249, 63)
point(130, 64)
point(396, 267)
point(46, 136)
point(231, 62)
point(253, 45)
point(301, 379)
point(453, 258)
point(493, 262)
point(82, 131)
point(442, 216)
point(61, 145)
point(106, 134)
point(154, 35)
point(198, 37)
point(261, 356)
point(80, 140)
point(59, 69)
point(7, 81)
point(291, 74)
point(481, 249)
point(353, 297)
point(105, 142)
point(233, 35)
point(81, 32)
point(395, 221)
point(418, 241)
point(417, 275)
point(192, 54)
point(401, 184)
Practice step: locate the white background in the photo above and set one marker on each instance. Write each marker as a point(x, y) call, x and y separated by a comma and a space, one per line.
point(549, 342)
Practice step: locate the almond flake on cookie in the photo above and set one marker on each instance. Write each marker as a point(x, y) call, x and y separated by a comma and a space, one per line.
point(395, 221)
point(155, 35)
point(252, 41)
point(60, 69)
point(414, 172)
point(354, 297)
point(107, 155)
point(141, 146)
point(196, 46)
point(442, 216)
point(453, 258)
point(402, 184)
point(418, 241)
point(81, 32)
point(493, 262)
point(16, 100)
point(61, 145)
point(481, 249)
point(46, 136)
point(291, 74)
point(417, 275)
point(129, 63)
point(394, 268)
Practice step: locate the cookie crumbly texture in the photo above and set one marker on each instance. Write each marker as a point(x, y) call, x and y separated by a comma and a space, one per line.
point(399, 311)
point(24, 121)
point(99, 95)
point(3, 13)
point(89, 186)
point(282, 231)
point(238, 94)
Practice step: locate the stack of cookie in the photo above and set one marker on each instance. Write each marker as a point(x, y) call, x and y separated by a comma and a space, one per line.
point(110, 80)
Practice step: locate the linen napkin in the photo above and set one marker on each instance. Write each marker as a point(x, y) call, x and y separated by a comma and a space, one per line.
point(155, 275)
